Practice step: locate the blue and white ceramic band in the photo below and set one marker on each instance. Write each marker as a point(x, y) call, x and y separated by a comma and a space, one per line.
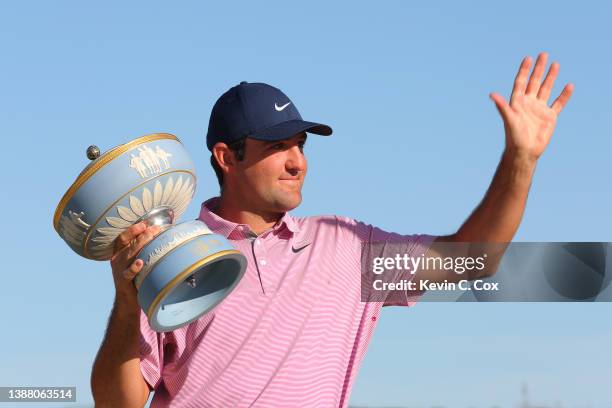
point(121, 186)
point(187, 270)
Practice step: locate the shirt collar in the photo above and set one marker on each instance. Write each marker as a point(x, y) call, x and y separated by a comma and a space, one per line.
point(233, 230)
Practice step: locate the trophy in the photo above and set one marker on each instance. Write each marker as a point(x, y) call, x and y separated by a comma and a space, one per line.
point(187, 270)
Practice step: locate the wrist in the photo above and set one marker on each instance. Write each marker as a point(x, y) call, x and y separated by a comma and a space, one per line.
point(519, 158)
point(518, 168)
point(126, 304)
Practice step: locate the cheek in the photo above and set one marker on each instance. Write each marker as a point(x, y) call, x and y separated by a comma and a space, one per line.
point(262, 173)
point(272, 166)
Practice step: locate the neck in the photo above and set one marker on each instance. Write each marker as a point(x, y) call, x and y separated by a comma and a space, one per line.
point(239, 211)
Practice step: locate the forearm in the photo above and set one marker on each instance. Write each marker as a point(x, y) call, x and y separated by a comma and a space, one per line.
point(116, 379)
point(492, 224)
point(528, 124)
point(498, 216)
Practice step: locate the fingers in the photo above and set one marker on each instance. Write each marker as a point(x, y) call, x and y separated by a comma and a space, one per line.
point(141, 240)
point(562, 99)
point(134, 248)
point(542, 90)
point(131, 272)
point(536, 76)
point(549, 81)
point(125, 255)
point(520, 81)
point(128, 235)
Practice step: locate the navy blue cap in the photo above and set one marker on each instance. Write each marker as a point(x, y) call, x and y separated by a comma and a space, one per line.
point(258, 111)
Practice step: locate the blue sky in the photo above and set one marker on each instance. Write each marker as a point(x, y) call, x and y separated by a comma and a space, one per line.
point(416, 140)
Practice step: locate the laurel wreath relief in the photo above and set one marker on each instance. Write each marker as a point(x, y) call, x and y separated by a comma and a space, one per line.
point(176, 195)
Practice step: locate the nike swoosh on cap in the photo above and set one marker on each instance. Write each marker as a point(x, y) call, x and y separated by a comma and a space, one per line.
point(280, 108)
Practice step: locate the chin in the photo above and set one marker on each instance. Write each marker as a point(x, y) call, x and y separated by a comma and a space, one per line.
point(288, 203)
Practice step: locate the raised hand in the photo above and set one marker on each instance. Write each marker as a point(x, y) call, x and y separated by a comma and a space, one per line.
point(528, 120)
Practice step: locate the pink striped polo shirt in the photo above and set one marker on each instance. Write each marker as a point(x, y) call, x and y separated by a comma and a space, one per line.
point(294, 331)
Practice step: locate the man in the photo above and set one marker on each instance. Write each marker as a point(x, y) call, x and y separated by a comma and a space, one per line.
point(294, 331)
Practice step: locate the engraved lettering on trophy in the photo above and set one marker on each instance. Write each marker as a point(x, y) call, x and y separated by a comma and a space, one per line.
point(199, 248)
point(149, 161)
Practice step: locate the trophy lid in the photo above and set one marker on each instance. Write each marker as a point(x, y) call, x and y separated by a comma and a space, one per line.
point(99, 162)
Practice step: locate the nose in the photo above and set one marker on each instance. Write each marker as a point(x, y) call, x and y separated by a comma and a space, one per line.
point(296, 161)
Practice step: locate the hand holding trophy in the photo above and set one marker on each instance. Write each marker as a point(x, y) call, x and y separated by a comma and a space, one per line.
point(187, 270)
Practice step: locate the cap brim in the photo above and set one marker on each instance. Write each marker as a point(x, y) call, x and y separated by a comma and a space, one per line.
point(289, 129)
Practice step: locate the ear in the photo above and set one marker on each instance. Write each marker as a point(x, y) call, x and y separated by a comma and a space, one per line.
point(224, 156)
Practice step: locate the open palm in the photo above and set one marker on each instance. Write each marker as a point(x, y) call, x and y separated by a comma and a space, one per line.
point(528, 120)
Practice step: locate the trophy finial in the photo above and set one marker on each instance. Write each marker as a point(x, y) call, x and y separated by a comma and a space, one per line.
point(93, 152)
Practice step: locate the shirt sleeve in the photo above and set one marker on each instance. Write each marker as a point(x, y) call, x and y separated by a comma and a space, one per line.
point(376, 243)
point(151, 352)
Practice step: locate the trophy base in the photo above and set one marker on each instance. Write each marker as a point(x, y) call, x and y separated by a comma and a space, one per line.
point(188, 278)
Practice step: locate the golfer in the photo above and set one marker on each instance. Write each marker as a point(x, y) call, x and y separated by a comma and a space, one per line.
point(295, 330)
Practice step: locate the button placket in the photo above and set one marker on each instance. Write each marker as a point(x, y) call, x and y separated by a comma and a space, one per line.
point(260, 252)
point(257, 257)
point(260, 255)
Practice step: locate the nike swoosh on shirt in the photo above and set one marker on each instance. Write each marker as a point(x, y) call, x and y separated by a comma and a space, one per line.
point(296, 250)
point(280, 108)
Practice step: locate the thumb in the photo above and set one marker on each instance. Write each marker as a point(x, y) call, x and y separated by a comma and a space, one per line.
point(133, 269)
point(502, 106)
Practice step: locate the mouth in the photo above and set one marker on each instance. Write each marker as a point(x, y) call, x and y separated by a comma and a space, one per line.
point(290, 181)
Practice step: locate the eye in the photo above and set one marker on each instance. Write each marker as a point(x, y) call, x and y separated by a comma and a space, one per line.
point(278, 146)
